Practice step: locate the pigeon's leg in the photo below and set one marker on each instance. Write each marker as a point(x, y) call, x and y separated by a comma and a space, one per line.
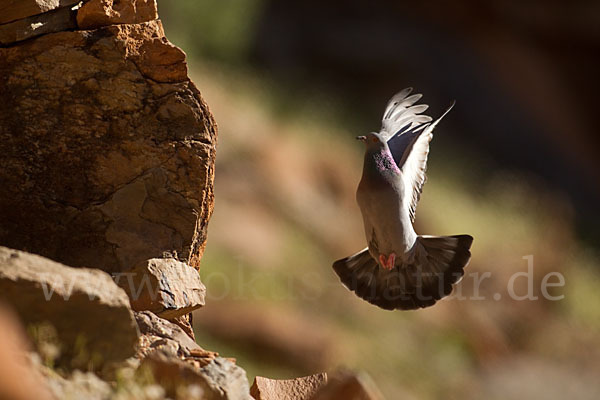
point(387, 262)
point(391, 261)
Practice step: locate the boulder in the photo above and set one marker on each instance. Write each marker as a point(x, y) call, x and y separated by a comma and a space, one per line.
point(165, 286)
point(97, 13)
point(220, 379)
point(349, 386)
point(302, 388)
point(108, 155)
point(89, 312)
point(158, 333)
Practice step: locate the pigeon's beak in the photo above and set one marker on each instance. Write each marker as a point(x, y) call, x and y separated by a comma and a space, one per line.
point(361, 138)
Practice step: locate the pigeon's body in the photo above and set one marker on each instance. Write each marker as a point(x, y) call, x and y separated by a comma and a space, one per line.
point(381, 185)
point(400, 269)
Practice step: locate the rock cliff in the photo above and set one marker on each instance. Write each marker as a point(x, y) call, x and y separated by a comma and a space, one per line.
point(107, 148)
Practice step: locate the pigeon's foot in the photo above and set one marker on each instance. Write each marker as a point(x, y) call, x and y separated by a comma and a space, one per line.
point(387, 262)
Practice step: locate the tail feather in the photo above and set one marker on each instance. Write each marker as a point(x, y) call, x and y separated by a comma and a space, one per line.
point(438, 264)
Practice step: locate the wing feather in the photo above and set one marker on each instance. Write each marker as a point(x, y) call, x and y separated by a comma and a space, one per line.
point(413, 163)
point(408, 134)
point(401, 113)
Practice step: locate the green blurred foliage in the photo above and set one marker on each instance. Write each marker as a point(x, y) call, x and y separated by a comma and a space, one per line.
point(215, 29)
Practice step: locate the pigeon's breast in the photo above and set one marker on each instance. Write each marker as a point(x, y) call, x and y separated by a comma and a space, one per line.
point(379, 197)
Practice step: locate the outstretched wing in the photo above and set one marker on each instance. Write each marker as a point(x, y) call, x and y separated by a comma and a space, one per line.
point(413, 162)
point(402, 115)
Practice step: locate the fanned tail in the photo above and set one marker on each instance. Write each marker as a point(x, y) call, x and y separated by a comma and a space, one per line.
point(438, 264)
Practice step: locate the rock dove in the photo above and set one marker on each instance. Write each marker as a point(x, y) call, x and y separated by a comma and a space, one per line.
point(400, 269)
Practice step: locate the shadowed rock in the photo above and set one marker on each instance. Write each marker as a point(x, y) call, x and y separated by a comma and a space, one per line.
point(12, 10)
point(58, 20)
point(158, 333)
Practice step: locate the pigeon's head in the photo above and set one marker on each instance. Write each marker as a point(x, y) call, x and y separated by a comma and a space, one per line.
point(373, 140)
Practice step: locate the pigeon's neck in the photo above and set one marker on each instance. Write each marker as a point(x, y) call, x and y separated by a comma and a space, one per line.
point(380, 160)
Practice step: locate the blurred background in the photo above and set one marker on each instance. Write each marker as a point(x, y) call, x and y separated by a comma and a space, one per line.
point(515, 164)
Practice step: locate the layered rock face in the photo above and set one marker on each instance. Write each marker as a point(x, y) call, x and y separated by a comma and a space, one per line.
point(107, 148)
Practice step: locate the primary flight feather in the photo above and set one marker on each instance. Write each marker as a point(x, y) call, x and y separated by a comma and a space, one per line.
point(400, 269)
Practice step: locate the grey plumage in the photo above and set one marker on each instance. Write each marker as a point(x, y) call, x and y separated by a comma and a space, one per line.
point(400, 269)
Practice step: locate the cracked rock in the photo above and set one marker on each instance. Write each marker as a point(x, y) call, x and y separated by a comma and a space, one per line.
point(57, 20)
point(160, 334)
point(12, 10)
point(97, 13)
point(107, 148)
point(165, 286)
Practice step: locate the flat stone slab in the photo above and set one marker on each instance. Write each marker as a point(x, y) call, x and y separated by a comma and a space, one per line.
point(12, 10)
point(303, 388)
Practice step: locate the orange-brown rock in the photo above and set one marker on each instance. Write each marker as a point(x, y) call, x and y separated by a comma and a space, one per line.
point(165, 286)
point(220, 379)
point(89, 312)
point(12, 10)
point(302, 388)
point(349, 386)
point(107, 148)
point(97, 13)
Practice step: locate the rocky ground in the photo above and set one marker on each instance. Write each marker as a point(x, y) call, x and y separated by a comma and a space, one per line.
point(84, 339)
point(107, 157)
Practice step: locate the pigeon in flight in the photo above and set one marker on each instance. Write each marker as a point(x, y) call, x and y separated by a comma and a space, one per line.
point(400, 269)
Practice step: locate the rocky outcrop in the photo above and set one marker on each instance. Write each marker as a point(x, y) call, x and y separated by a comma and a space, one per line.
point(220, 379)
point(89, 312)
point(349, 386)
point(287, 389)
point(160, 334)
point(97, 13)
point(107, 156)
point(165, 286)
